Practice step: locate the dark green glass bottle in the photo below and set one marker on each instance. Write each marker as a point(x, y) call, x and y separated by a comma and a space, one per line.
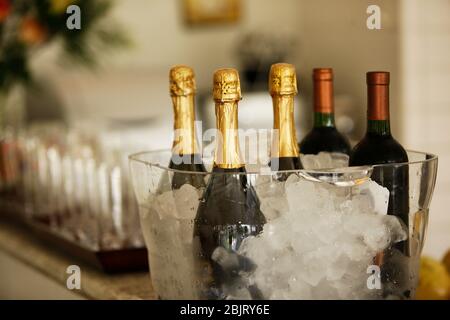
point(324, 135)
point(379, 147)
point(185, 154)
point(229, 209)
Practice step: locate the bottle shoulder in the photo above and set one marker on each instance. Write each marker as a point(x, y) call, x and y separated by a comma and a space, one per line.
point(192, 163)
point(327, 139)
point(230, 199)
point(378, 150)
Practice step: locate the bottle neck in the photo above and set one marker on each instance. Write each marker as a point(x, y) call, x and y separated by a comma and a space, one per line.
point(185, 141)
point(323, 120)
point(378, 110)
point(323, 102)
point(379, 127)
point(227, 154)
point(284, 143)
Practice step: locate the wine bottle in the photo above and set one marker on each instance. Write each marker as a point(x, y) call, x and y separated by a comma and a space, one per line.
point(283, 88)
point(324, 135)
point(229, 209)
point(378, 147)
point(185, 156)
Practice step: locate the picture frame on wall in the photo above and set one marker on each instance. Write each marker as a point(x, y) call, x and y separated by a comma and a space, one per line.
point(207, 12)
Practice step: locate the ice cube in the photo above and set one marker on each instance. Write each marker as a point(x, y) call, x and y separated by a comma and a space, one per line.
point(292, 178)
point(377, 237)
point(301, 195)
point(337, 269)
point(324, 160)
point(165, 205)
point(339, 160)
point(397, 229)
point(324, 291)
point(186, 202)
point(309, 161)
point(373, 195)
point(272, 198)
point(356, 250)
point(299, 288)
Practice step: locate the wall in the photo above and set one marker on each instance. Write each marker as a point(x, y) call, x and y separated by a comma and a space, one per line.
point(162, 38)
point(426, 99)
point(334, 34)
point(133, 83)
point(329, 33)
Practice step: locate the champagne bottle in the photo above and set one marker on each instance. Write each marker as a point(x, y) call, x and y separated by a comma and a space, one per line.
point(324, 135)
point(185, 156)
point(165, 256)
point(283, 88)
point(229, 209)
point(378, 147)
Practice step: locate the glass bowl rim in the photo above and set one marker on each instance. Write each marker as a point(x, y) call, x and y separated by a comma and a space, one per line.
point(135, 158)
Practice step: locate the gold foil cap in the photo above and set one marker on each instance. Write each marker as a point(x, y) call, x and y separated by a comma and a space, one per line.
point(182, 81)
point(282, 79)
point(227, 86)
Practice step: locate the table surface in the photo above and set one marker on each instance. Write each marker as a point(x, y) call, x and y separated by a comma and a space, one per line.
point(18, 243)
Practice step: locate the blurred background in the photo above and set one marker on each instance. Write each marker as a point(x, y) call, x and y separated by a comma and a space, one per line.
point(124, 96)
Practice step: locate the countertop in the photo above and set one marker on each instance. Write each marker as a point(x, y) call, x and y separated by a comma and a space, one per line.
point(17, 243)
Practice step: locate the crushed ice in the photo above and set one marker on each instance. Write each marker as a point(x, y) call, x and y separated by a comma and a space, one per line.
point(317, 243)
point(168, 225)
point(319, 239)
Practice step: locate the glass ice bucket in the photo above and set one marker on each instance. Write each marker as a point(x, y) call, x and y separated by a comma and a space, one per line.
point(327, 233)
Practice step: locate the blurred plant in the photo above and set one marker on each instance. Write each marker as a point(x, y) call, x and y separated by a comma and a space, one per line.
point(28, 25)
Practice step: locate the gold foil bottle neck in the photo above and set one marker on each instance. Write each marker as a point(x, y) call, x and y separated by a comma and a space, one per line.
point(185, 141)
point(227, 154)
point(285, 139)
point(182, 91)
point(282, 79)
point(182, 81)
point(227, 93)
point(227, 87)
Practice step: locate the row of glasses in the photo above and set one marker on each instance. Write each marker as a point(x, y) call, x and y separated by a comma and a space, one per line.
point(78, 185)
point(9, 163)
